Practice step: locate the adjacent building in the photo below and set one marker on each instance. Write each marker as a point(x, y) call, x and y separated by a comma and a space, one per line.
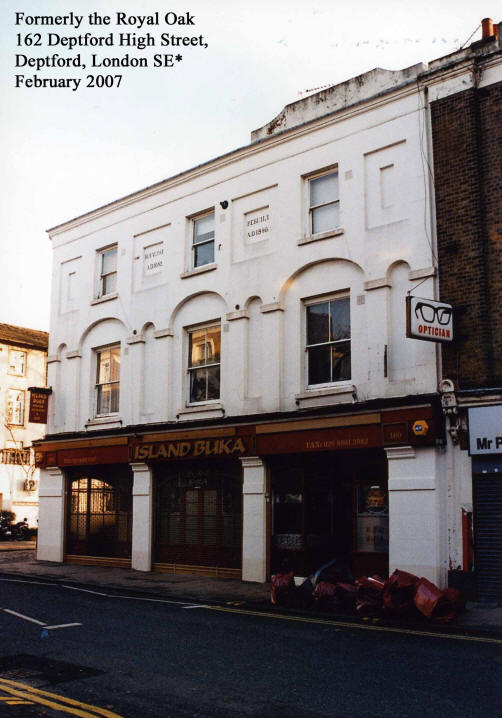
point(22, 365)
point(466, 105)
point(234, 391)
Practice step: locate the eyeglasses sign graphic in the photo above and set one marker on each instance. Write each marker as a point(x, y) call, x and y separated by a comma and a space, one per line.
point(429, 320)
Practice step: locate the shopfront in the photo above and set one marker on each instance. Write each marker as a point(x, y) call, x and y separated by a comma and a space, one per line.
point(99, 511)
point(332, 505)
point(197, 499)
point(485, 447)
point(253, 499)
point(198, 515)
point(329, 487)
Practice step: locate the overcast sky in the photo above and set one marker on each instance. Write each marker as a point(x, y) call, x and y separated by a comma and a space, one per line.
point(66, 152)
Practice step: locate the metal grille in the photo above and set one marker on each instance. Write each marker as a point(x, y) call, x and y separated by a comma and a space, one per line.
point(488, 536)
point(199, 515)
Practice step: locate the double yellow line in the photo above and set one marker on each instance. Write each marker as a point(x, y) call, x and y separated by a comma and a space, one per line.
point(22, 694)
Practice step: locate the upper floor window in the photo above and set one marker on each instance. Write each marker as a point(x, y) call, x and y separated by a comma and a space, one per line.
point(17, 362)
point(328, 341)
point(107, 381)
point(203, 240)
point(204, 364)
point(15, 407)
point(107, 271)
point(324, 204)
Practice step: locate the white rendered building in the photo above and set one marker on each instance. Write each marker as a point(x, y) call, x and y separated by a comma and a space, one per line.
point(233, 388)
point(22, 365)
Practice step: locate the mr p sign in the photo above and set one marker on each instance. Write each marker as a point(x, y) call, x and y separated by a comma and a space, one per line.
point(429, 320)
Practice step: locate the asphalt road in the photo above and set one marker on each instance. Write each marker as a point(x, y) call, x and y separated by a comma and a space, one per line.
point(133, 658)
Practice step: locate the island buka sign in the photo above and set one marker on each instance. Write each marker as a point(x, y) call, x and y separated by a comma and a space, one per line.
point(429, 320)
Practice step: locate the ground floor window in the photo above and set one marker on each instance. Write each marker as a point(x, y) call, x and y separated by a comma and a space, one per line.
point(100, 511)
point(327, 506)
point(199, 514)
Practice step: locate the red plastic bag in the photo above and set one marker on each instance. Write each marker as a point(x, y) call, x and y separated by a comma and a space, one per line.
point(280, 586)
point(399, 592)
point(427, 597)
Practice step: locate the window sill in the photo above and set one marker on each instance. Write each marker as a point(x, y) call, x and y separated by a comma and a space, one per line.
point(199, 270)
point(336, 394)
point(321, 235)
point(202, 411)
point(105, 298)
point(113, 421)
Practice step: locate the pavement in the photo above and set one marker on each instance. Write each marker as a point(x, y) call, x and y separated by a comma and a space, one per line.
point(18, 559)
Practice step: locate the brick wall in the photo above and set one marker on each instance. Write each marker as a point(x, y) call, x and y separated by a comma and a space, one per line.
point(467, 145)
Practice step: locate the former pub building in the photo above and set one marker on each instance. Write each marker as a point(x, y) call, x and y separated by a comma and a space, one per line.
point(234, 391)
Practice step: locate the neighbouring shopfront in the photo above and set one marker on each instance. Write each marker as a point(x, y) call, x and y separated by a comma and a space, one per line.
point(485, 447)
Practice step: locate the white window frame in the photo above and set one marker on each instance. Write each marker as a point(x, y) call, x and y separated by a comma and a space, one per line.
point(98, 352)
point(322, 300)
point(12, 368)
point(189, 369)
point(193, 245)
point(102, 276)
point(310, 207)
point(10, 415)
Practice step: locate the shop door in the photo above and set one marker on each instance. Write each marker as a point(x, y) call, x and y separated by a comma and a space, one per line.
point(199, 518)
point(332, 506)
point(100, 514)
point(488, 536)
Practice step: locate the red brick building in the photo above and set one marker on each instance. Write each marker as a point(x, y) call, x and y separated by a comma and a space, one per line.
point(466, 128)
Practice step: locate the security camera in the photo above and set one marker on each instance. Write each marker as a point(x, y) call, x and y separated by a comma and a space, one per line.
point(446, 386)
point(224, 204)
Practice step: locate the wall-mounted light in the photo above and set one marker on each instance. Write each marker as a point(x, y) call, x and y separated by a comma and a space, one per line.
point(224, 204)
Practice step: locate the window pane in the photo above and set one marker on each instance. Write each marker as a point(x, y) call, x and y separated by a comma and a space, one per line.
point(319, 365)
point(340, 319)
point(340, 356)
point(17, 362)
point(203, 229)
point(103, 367)
point(198, 385)
point(104, 399)
point(115, 364)
point(109, 261)
point(114, 399)
point(197, 348)
point(324, 189)
point(213, 345)
point(203, 254)
point(318, 323)
point(213, 382)
point(325, 218)
point(109, 283)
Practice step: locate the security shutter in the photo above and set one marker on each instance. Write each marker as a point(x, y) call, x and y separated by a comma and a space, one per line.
point(488, 535)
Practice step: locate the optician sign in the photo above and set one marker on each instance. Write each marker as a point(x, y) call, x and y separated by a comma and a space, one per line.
point(485, 430)
point(429, 320)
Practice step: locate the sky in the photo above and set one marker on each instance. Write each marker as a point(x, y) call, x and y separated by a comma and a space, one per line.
point(66, 152)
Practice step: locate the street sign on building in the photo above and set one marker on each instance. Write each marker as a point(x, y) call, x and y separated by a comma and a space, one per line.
point(39, 404)
point(429, 320)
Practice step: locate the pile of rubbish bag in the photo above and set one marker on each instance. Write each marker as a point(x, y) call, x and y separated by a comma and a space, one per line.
point(403, 594)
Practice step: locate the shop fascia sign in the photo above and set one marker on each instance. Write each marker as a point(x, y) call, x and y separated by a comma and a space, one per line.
point(485, 430)
point(187, 449)
point(429, 320)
